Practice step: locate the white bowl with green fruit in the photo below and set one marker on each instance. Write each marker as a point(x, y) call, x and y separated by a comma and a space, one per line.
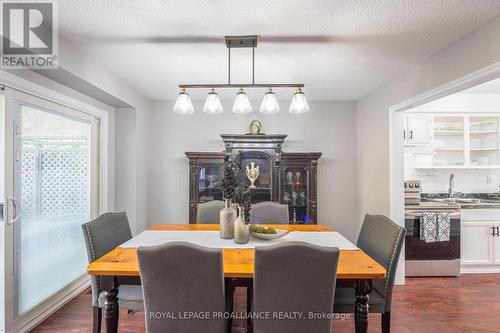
point(266, 233)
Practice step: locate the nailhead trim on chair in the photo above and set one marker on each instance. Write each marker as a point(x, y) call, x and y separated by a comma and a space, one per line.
point(400, 229)
point(92, 246)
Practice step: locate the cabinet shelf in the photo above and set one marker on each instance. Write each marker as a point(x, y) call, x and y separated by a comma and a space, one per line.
point(442, 132)
point(456, 167)
point(448, 149)
point(483, 132)
point(484, 149)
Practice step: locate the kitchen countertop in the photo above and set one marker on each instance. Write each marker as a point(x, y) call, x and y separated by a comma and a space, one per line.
point(434, 201)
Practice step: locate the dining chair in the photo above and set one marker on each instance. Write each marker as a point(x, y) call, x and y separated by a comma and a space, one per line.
point(382, 240)
point(209, 212)
point(294, 277)
point(269, 212)
point(180, 277)
point(102, 235)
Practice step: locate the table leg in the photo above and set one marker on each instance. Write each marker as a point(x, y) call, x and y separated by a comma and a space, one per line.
point(229, 301)
point(109, 285)
point(363, 289)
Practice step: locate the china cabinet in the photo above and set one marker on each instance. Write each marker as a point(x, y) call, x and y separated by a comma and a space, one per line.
point(287, 178)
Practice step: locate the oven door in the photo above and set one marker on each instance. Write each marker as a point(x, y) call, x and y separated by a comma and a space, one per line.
point(417, 249)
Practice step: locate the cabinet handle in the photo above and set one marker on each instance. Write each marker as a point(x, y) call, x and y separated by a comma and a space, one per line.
point(493, 231)
point(411, 135)
point(404, 134)
point(498, 231)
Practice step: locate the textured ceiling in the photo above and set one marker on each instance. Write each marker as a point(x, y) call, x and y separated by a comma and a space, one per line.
point(340, 49)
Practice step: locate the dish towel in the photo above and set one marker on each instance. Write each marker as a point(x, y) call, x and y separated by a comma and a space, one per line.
point(435, 227)
point(443, 227)
point(428, 227)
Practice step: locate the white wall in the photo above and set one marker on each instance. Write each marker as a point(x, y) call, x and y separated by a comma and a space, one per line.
point(131, 138)
point(330, 128)
point(469, 54)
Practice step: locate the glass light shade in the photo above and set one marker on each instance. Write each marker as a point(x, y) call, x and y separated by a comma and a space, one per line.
point(241, 103)
point(212, 104)
point(269, 103)
point(183, 104)
point(299, 103)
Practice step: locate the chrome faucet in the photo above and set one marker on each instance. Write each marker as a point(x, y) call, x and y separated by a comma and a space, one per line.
point(451, 187)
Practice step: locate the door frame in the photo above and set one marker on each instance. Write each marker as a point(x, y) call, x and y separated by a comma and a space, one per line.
point(104, 164)
point(396, 141)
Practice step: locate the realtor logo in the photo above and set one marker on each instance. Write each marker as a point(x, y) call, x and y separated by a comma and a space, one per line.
point(29, 34)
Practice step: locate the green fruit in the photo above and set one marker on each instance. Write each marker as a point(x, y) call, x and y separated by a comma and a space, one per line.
point(271, 230)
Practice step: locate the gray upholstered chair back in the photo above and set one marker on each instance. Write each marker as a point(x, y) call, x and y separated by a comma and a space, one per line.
point(382, 240)
point(294, 276)
point(182, 277)
point(209, 212)
point(102, 235)
point(269, 212)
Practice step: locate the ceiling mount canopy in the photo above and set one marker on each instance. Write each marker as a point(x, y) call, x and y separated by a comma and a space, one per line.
point(242, 104)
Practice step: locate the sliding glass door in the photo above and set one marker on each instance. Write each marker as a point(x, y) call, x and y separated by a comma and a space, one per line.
point(54, 162)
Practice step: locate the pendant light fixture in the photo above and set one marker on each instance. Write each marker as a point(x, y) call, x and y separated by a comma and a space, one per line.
point(241, 103)
point(299, 102)
point(183, 104)
point(212, 104)
point(269, 103)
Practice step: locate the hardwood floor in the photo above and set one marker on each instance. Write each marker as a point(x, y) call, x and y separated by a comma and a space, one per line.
point(470, 303)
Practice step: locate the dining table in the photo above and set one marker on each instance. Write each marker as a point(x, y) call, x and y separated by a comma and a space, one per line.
point(355, 270)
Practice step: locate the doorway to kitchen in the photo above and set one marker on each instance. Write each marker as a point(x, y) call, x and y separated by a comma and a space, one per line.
point(445, 150)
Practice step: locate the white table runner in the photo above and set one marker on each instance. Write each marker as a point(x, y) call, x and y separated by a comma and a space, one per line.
point(212, 239)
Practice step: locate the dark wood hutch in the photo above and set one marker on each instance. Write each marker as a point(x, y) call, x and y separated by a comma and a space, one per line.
point(287, 178)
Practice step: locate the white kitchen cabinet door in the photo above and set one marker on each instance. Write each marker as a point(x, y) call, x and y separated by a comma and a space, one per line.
point(477, 243)
point(496, 244)
point(418, 129)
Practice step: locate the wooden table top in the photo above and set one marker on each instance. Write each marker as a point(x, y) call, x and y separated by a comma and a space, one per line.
point(238, 263)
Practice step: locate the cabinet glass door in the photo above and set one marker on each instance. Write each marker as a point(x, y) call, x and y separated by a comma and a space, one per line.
point(295, 194)
point(210, 177)
point(449, 145)
point(484, 141)
point(261, 189)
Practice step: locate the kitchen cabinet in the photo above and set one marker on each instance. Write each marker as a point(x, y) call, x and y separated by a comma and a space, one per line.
point(418, 129)
point(458, 141)
point(477, 243)
point(496, 244)
point(480, 240)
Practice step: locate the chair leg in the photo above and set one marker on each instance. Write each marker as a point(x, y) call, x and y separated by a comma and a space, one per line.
point(96, 319)
point(386, 322)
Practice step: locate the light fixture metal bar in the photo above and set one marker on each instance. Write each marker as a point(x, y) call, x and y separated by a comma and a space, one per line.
point(253, 65)
point(243, 85)
point(229, 66)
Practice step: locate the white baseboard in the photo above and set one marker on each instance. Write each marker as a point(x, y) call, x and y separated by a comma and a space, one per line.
point(53, 304)
point(480, 270)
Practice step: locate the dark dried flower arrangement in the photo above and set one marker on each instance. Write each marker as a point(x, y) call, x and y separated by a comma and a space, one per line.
point(243, 197)
point(230, 180)
point(233, 189)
